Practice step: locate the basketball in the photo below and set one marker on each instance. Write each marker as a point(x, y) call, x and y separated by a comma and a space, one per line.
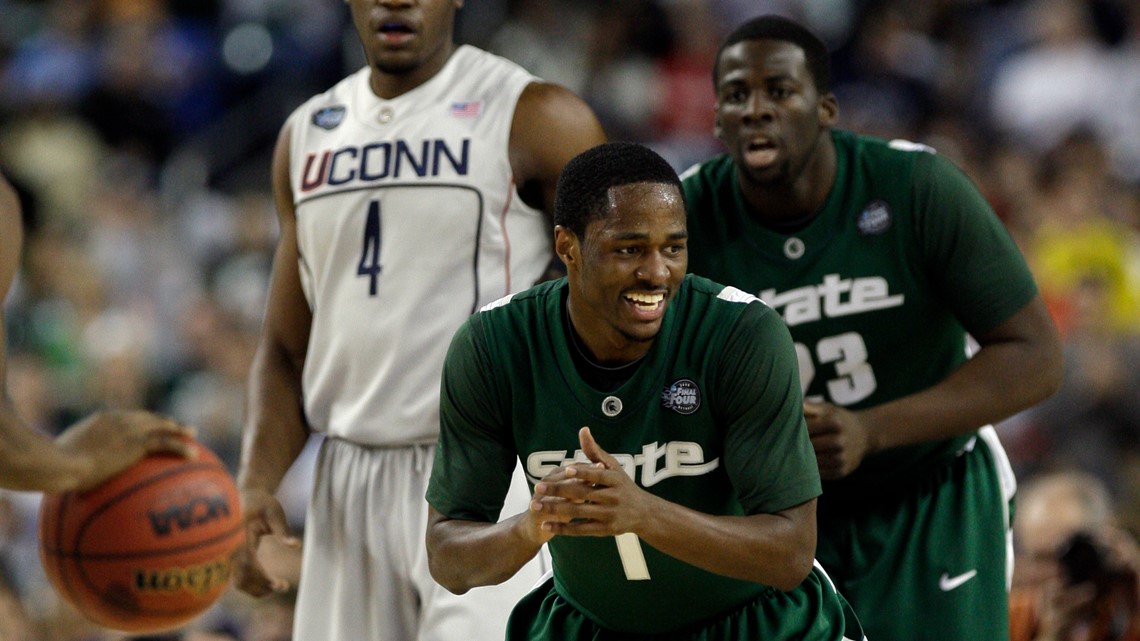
point(149, 549)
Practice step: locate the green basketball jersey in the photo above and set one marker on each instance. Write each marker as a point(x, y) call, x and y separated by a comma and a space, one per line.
point(711, 419)
point(879, 290)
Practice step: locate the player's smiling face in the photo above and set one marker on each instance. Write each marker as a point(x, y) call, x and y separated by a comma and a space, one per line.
point(404, 36)
point(626, 270)
point(769, 113)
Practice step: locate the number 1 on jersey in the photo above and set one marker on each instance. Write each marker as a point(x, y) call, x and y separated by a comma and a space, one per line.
point(632, 558)
point(370, 257)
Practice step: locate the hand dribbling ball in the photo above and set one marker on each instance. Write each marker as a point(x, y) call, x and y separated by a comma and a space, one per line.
point(149, 549)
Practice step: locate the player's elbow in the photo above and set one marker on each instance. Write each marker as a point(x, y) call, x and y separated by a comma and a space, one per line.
point(1052, 367)
point(1043, 371)
point(452, 560)
point(444, 574)
point(792, 559)
point(444, 569)
point(451, 586)
point(795, 568)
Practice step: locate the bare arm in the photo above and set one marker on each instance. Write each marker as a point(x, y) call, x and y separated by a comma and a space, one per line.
point(1019, 364)
point(601, 500)
point(93, 449)
point(28, 460)
point(275, 430)
point(551, 125)
point(468, 554)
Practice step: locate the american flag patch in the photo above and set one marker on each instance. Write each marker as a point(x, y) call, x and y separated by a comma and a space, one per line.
point(468, 109)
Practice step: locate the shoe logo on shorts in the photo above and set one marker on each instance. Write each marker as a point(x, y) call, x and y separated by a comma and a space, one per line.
point(947, 582)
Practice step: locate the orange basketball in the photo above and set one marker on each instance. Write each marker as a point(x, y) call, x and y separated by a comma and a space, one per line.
point(149, 549)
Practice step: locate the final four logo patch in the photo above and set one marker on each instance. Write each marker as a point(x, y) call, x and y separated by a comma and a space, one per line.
point(875, 219)
point(329, 117)
point(683, 397)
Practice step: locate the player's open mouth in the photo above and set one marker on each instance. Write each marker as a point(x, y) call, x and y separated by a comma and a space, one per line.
point(646, 305)
point(760, 152)
point(395, 32)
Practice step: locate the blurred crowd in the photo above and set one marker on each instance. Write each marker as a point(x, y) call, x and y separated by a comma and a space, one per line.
point(139, 134)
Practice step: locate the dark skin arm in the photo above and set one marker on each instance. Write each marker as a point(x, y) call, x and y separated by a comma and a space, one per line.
point(90, 451)
point(1019, 364)
point(551, 125)
point(602, 500)
point(275, 429)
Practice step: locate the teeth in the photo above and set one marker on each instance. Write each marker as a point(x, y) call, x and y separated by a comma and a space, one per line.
point(647, 300)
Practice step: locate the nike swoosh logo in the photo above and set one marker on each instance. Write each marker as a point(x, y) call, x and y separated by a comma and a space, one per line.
point(947, 582)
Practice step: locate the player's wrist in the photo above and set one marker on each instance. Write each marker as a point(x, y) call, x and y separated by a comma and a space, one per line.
point(250, 483)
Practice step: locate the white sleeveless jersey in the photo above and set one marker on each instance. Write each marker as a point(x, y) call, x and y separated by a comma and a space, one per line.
point(408, 221)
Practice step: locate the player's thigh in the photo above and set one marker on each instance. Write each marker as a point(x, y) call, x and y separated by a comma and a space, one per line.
point(936, 567)
point(354, 576)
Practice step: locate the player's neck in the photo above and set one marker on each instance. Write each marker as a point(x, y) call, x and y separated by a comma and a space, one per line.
point(600, 343)
point(794, 204)
point(390, 83)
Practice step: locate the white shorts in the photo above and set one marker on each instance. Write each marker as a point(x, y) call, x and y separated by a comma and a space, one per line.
point(364, 572)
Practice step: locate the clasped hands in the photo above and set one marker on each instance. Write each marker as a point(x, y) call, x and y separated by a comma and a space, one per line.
point(589, 499)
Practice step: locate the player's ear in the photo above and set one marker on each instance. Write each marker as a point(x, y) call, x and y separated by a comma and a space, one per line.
point(828, 110)
point(566, 246)
point(718, 125)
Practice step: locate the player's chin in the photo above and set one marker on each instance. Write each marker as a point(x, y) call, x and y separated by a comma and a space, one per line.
point(397, 63)
point(642, 332)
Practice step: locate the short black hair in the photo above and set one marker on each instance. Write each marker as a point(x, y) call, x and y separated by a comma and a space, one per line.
point(774, 27)
point(582, 194)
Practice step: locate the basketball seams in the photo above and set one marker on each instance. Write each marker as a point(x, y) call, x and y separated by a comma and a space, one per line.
point(126, 493)
point(189, 547)
point(152, 610)
point(185, 468)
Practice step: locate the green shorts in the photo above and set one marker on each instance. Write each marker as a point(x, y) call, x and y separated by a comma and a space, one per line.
point(936, 564)
point(814, 611)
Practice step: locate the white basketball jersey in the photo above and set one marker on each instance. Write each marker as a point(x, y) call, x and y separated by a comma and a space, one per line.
point(408, 221)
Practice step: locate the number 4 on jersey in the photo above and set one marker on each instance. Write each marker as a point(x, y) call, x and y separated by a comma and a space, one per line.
point(370, 257)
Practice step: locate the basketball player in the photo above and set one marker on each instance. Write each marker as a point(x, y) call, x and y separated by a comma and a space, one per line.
point(89, 452)
point(881, 257)
point(409, 195)
point(659, 417)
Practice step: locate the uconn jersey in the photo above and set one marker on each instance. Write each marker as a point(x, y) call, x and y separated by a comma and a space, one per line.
point(407, 222)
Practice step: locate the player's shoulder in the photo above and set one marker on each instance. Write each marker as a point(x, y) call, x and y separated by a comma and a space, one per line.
point(892, 156)
point(718, 297)
point(466, 56)
point(714, 309)
point(708, 173)
point(506, 323)
point(708, 187)
point(485, 76)
point(534, 300)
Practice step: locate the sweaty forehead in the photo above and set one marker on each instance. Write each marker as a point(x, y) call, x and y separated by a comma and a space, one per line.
point(642, 209)
point(762, 58)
